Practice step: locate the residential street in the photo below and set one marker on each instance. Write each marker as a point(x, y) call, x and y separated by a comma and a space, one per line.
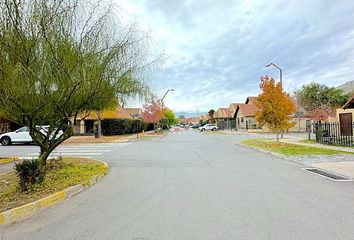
point(196, 186)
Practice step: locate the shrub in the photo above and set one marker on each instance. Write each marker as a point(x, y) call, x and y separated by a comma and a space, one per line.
point(30, 173)
point(55, 163)
point(112, 127)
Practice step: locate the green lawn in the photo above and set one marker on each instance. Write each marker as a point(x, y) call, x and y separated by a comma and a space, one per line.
point(72, 172)
point(312, 141)
point(289, 149)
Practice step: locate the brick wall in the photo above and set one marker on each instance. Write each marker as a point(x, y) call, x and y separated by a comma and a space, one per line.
point(5, 125)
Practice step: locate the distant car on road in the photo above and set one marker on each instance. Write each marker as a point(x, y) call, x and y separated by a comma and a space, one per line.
point(211, 127)
point(195, 125)
point(22, 135)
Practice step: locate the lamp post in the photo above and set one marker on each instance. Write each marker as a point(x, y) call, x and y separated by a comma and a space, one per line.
point(169, 90)
point(281, 81)
point(280, 72)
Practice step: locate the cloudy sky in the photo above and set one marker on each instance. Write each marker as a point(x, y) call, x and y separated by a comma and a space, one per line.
point(217, 50)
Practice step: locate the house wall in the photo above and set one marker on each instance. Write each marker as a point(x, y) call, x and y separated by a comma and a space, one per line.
point(79, 128)
point(242, 121)
point(300, 125)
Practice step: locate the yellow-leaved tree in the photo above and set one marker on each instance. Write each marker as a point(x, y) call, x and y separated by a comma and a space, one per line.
point(274, 107)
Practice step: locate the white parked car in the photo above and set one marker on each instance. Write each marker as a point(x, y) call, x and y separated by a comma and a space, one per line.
point(211, 127)
point(21, 135)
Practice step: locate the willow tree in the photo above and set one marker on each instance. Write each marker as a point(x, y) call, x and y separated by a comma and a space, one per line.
point(59, 58)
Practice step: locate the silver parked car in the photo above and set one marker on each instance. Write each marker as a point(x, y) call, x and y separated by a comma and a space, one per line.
point(211, 127)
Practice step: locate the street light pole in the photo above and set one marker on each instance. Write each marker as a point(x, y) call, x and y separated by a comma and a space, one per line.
point(169, 90)
point(280, 72)
point(281, 81)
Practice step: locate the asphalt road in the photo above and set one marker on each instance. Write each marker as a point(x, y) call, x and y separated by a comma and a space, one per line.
point(198, 186)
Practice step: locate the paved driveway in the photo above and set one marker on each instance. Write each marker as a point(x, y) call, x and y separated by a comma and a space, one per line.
point(198, 186)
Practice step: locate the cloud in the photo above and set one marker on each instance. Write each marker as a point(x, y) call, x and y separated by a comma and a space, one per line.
point(217, 52)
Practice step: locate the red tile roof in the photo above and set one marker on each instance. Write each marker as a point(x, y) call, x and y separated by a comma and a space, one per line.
point(251, 100)
point(204, 117)
point(222, 113)
point(248, 110)
point(233, 108)
point(349, 103)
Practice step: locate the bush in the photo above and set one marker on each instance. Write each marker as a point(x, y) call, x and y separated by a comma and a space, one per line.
point(112, 127)
point(30, 173)
point(55, 163)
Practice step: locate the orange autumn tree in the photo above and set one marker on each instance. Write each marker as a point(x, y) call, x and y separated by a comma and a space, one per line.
point(153, 111)
point(275, 107)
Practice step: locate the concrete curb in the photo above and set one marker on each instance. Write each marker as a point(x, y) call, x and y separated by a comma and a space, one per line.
point(8, 160)
point(30, 209)
point(278, 155)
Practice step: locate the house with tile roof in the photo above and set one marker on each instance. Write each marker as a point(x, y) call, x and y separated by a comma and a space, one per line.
point(246, 116)
point(232, 108)
point(345, 113)
point(85, 123)
point(223, 118)
point(251, 100)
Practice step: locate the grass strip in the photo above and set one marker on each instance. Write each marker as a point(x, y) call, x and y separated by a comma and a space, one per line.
point(74, 171)
point(289, 149)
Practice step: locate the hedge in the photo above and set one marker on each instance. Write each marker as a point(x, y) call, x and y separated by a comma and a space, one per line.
point(112, 127)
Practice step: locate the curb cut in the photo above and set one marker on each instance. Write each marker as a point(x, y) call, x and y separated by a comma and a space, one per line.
point(30, 209)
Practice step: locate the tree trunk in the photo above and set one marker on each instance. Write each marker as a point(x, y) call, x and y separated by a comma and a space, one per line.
point(277, 137)
point(42, 159)
point(99, 128)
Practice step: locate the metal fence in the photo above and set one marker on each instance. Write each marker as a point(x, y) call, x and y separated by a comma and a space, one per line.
point(334, 133)
point(226, 124)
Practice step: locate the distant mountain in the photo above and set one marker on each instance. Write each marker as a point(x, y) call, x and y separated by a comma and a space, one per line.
point(189, 114)
point(347, 87)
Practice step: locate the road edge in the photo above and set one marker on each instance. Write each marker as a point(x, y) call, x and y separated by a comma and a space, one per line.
point(25, 211)
point(8, 160)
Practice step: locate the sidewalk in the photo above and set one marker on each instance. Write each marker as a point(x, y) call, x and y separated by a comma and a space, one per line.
point(341, 164)
point(342, 168)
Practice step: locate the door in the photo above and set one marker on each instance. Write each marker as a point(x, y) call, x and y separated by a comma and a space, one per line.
point(89, 126)
point(346, 121)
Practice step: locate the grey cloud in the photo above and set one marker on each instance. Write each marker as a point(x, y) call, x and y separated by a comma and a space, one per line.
point(223, 46)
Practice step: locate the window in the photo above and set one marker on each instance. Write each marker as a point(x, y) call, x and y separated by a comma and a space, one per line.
point(23, 129)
